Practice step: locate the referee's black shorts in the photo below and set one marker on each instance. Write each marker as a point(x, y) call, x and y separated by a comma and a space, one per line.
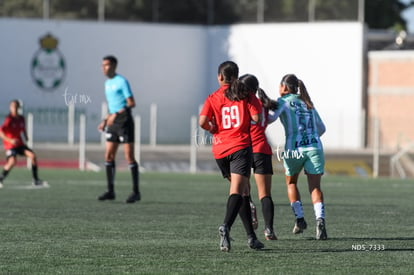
point(122, 130)
point(240, 162)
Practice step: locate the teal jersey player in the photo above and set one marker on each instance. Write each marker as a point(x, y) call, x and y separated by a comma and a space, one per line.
point(303, 150)
point(302, 126)
point(117, 90)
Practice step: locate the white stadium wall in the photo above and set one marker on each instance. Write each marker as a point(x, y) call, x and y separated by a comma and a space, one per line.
point(165, 64)
point(175, 66)
point(328, 57)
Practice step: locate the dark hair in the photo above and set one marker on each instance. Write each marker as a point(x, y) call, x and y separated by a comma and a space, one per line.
point(242, 87)
point(296, 86)
point(237, 91)
point(267, 102)
point(229, 70)
point(251, 82)
point(17, 102)
point(18, 105)
point(111, 59)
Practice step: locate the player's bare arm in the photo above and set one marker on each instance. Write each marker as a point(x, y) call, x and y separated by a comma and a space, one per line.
point(257, 118)
point(109, 119)
point(207, 125)
point(204, 122)
point(130, 103)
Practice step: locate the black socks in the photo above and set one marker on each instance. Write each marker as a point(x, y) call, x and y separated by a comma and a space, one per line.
point(245, 213)
point(134, 168)
point(268, 209)
point(110, 175)
point(233, 206)
point(34, 172)
point(4, 174)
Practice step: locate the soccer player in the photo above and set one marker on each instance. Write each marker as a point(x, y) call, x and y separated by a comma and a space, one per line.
point(12, 132)
point(227, 114)
point(303, 149)
point(262, 155)
point(119, 128)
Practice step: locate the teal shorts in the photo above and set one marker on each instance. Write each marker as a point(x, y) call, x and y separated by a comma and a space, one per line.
point(312, 161)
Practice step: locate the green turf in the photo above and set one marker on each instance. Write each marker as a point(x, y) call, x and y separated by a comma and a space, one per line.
point(173, 230)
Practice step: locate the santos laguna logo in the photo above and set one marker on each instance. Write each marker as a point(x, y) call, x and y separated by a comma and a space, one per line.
point(48, 65)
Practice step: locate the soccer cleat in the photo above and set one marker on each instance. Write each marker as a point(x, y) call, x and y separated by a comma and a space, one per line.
point(255, 221)
point(269, 234)
point(1, 184)
point(224, 238)
point(40, 183)
point(321, 229)
point(300, 225)
point(107, 196)
point(133, 197)
point(254, 243)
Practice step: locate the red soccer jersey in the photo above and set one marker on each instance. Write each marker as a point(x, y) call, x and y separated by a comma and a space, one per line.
point(257, 133)
point(13, 127)
point(233, 120)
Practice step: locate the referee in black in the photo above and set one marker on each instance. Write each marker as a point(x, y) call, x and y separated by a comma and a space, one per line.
point(119, 128)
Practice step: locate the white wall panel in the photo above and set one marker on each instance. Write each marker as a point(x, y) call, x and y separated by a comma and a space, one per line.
point(175, 66)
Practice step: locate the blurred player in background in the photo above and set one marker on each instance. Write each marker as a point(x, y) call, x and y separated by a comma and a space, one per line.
point(12, 132)
point(262, 155)
point(227, 114)
point(303, 149)
point(119, 128)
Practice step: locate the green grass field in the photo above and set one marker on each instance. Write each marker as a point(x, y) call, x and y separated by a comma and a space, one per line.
point(174, 229)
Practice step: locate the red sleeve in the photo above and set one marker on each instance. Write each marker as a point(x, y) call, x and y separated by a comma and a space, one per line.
point(5, 124)
point(206, 110)
point(254, 105)
point(13, 129)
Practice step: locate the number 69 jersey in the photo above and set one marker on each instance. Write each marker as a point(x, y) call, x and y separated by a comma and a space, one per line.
point(232, 119)
point(303, 126)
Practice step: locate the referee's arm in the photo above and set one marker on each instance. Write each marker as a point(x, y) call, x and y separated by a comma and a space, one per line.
point(130, 103)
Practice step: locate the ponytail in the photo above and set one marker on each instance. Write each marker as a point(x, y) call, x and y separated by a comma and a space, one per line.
point(296, 86)
point(304, 95)
point(266, 101)
point(237, 91)
point(229, 71)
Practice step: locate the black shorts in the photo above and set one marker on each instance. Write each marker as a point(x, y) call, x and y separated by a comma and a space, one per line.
point(262, 164)
point(122, 130)
point(17, 151)
point(239, 162)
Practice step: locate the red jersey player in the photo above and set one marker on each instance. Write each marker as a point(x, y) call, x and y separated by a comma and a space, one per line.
point(227, 114)
point(262, 156)
point(11, 132)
